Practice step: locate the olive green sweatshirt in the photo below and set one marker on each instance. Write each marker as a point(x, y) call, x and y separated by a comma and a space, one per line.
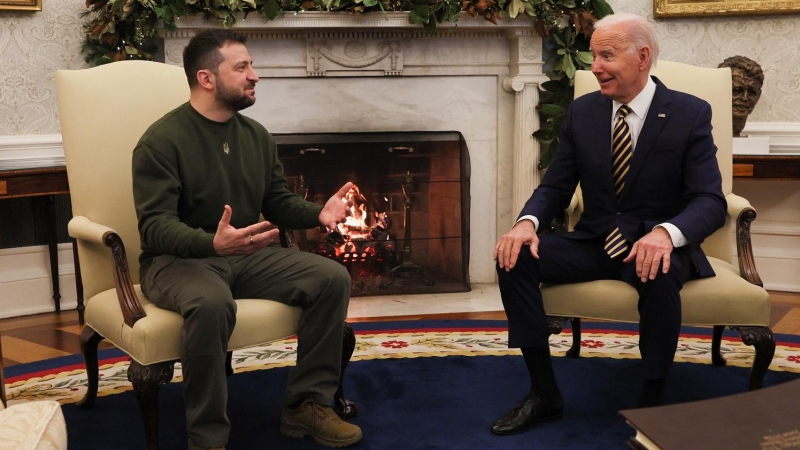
point(186, 168)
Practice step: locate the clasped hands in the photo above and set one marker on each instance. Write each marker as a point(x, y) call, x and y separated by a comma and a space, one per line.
point(649, 252)
point(229, 240)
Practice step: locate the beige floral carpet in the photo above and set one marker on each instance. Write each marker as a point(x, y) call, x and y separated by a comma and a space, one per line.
point(67, 384)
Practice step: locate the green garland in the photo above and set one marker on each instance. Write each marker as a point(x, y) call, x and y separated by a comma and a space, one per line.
point(125, 29)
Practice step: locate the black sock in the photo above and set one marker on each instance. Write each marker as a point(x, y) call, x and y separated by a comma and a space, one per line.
point(540, 368)
point(652, 393)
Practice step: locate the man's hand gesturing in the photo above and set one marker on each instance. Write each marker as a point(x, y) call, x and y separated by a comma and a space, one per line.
point(243, 241)
point(335, 209)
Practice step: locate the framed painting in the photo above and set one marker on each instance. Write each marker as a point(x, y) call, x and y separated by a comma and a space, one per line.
point(663, 9)
point(20, 5)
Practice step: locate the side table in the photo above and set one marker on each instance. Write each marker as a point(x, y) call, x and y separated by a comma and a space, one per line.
point(45, 183)
point(766, 167)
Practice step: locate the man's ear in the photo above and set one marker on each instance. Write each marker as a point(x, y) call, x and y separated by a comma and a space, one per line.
point(205, 78)
point(644, 58)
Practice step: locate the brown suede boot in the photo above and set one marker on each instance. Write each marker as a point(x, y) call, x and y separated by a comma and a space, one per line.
point(321, 423)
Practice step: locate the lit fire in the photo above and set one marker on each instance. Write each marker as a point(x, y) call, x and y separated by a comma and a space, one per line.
point(357, 219)
point(361, 243)
point(360, 231)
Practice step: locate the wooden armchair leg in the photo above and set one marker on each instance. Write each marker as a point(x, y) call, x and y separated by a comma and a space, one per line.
point(229, 364)
point(90, 339)
point(763, 341)
point(147, 381)
point(555, 325)
point(344, 407)
point(575, 350)
point(716, 342)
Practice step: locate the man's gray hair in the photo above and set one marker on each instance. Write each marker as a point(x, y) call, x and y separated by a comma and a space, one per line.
point(639, 31)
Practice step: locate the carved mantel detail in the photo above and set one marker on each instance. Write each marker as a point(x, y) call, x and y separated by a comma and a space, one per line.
point(353, 56)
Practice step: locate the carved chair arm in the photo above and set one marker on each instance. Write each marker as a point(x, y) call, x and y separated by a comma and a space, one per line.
point(83, 228)
point(744, 214)
point(287, 238)
point(739, 209)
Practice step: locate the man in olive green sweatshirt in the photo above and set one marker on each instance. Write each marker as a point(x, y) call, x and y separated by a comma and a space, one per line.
point(202, 174)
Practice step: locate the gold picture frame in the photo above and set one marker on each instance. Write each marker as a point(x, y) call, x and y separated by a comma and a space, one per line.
point(21, 5)
point(663, 9)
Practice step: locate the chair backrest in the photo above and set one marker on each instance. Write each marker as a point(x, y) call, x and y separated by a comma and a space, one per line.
point(104, 111)
point(713, 86)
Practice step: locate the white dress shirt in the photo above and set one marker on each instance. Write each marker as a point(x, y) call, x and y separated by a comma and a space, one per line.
point(635, 119)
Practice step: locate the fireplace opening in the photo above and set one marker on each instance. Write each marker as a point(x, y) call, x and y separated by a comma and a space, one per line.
point(407, 230)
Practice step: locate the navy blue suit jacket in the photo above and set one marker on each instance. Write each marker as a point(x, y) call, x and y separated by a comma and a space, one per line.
point(674, 175)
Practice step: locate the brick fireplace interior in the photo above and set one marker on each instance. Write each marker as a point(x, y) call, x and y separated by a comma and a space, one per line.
point(408, 229)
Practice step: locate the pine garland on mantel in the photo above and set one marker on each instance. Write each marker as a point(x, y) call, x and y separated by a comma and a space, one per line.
point(125, 29)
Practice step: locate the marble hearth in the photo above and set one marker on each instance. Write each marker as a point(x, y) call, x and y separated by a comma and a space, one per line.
point(339, 73)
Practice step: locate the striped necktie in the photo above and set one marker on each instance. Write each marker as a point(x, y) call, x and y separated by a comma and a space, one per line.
point(621, 151)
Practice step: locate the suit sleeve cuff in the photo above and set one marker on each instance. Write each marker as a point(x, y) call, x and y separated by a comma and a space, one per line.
point(678, 239)
point(532, 219)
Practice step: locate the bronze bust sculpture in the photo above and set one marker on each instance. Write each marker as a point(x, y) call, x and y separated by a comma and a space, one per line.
point(748, 78)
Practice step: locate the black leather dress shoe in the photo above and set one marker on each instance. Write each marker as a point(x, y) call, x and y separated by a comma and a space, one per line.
point(528, 412)
point(652, 393)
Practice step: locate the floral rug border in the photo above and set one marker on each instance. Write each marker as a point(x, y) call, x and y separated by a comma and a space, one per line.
point(69, 386)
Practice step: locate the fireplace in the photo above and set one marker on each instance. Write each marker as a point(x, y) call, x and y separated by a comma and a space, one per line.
point(476, 78)
point(407, 231)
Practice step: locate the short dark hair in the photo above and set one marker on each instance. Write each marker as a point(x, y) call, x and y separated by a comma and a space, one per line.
point(202, 52)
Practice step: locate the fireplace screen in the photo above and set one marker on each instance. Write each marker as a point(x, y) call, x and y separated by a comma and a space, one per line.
point(407, 231)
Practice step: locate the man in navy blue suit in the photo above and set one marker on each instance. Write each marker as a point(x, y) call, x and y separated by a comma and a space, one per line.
point(646, 163)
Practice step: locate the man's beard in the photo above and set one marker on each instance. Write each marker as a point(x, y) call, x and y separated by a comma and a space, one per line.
point(233, 100)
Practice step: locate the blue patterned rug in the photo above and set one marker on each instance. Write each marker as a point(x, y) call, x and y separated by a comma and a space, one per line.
point(418, 385)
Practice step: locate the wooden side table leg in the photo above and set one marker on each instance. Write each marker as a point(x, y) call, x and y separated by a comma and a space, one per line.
point(52, 245)
point(2, 379)
point(78, 281)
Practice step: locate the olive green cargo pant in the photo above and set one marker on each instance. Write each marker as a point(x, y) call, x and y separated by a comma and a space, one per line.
point(203, 292)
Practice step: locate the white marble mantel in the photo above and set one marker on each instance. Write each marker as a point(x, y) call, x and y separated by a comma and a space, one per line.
point(338, 72)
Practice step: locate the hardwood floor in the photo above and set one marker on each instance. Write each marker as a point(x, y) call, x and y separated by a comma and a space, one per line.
point(43, 336)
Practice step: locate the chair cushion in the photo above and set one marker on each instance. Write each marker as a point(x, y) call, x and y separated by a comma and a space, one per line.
point(35, 425)
point(156, 338)
point(726, 299)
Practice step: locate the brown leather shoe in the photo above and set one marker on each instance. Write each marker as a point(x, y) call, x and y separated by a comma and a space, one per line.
point(528, 412)
point(321, 423)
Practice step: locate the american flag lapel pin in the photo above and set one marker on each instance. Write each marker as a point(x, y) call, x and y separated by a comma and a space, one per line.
point(662, 115)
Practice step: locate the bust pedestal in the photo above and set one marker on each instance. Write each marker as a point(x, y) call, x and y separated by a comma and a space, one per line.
point(751, 145)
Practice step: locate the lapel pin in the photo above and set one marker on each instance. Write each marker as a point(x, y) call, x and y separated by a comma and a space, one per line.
point(662, 115)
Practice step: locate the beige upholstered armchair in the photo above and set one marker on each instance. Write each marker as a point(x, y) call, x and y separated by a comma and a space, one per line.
point(104, 110)
point(735, 297)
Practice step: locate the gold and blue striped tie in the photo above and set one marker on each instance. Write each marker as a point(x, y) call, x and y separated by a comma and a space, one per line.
point(621, 151)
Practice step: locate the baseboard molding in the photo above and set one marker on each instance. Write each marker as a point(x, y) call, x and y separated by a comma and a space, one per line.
point(26, 285)
point(782, 287)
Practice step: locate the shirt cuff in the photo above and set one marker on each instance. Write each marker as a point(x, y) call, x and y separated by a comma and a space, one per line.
point(678, 239)
point(532, 219)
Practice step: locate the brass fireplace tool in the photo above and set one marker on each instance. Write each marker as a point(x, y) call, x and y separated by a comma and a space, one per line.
point(407, 269)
